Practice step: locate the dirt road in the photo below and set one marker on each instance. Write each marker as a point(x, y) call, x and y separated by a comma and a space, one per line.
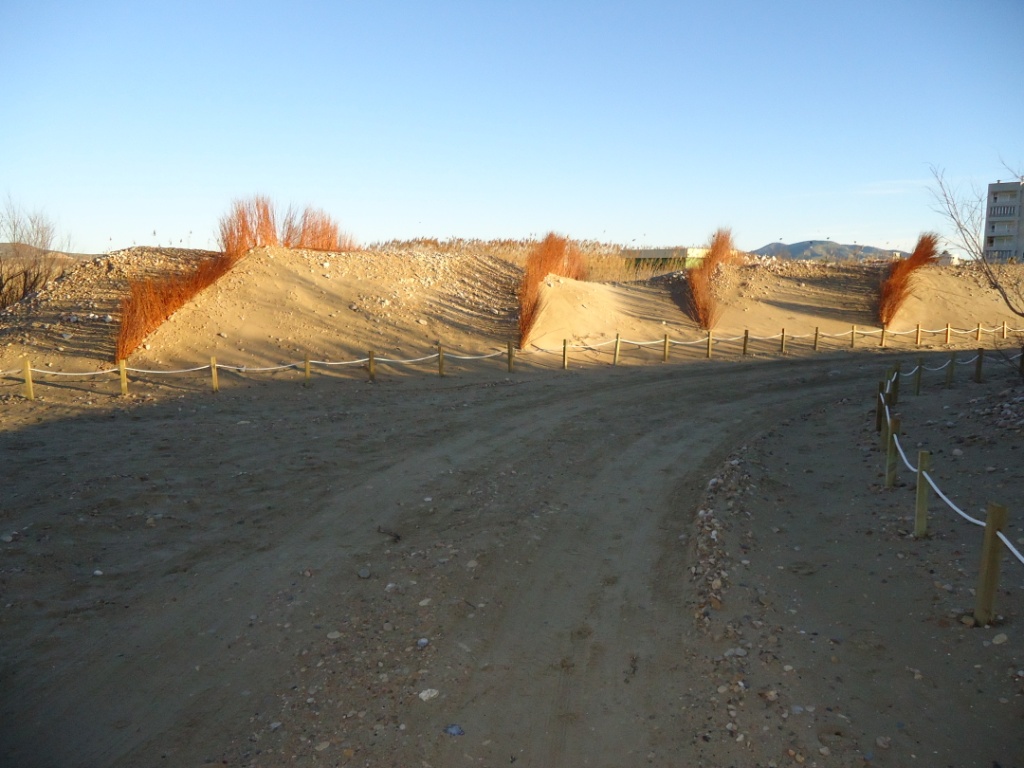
point(481, 570)
point(194, 554)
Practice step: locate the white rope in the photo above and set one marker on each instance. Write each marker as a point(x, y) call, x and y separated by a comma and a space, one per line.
point(414, 360)
point(342, 362)
point(474, 357)
point(944, 365)
point(949, 502)
point(967, 362)
point(247, 369)
point(643, 343)
point(899, 450)
point(62, 373)
point(911, 372)
point(1010, 546)
point(183, 370)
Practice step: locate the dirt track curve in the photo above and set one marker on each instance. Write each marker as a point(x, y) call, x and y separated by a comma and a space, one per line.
point(540, 557)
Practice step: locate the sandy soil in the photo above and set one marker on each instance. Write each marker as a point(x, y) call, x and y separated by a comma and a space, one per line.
point(684, 564)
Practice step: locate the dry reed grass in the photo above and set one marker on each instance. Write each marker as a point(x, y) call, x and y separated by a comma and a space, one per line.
point(314, 230)
point(897, 285)
point(554, 255)
point(149, 302)
point(703, 306)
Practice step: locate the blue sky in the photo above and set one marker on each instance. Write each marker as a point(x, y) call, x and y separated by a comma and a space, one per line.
point(651, 123)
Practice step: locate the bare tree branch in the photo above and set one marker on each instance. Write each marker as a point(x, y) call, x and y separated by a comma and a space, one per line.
point(965, 214)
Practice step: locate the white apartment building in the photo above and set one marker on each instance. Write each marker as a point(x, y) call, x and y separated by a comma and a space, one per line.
point(1004, 226)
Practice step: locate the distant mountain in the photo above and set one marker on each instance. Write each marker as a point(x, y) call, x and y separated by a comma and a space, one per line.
point(824, 250)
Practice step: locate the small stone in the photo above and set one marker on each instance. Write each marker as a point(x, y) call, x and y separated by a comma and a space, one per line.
point(275, 725)
point(97, 572)
point(472, 564)
point(7, 538)
point(999, 639)
point(429, 693)
point(968, 620)
point(424, 602)
point(333, 635)
point(883, 742)
point(422, 643)
point(322, 746)
point(364, 572)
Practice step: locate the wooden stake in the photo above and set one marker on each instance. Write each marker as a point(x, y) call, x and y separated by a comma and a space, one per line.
point(782, 342)
point(565, 354)
point(991, 552)
point(978, 365)
point(883, 433)
point(511, 357)
point(853, 336)
point(815, 338)
point(890, 454)
point(924, 463)
point(881, 342)
point(950, 369)
point(880, 407)
point(664, 350)
point(1004, 330)
point(213, 374)
point(440, 361)
point(122, 371)
point(710, 342)
point(746, 340)
point(615, 356)
point(917, 337)
point(306, 372)
point(977, 334)
point(948, 332)
point(371, 365)
point(30, 393)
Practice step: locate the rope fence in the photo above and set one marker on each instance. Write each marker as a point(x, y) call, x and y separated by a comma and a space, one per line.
point(708, 345)
point(888, 426)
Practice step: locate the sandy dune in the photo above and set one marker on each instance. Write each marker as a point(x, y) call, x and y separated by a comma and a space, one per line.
point(684, 564)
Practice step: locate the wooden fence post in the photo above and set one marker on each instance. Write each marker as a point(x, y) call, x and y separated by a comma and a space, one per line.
point(30, 393)
point(924, 463)
point(978, 365)
point(977, 335)
point(511, 357)
point(879, 407)
point(615, 356)
point(881, 341)
point(891, 457)
point(917, 375)
point(782, 343)
point(883, 433)
point(565, 354)
point(122, 371)
point(664, 350)
point(306, 372)
point(1004, 330)
point(988, 578)
point(213, 374)
point(371, 365)
point(440, 360)
point(948, 332)
point(917, 337)
point(853, 336)
point(949, 370)
point(815, 348)
point(746, 341)
point(710, 342)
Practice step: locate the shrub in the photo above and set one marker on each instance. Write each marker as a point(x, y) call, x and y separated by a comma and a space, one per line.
point(314, 230)
point(249, 224)
point(702, 303)
point(554, 255)
point(897, 284)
